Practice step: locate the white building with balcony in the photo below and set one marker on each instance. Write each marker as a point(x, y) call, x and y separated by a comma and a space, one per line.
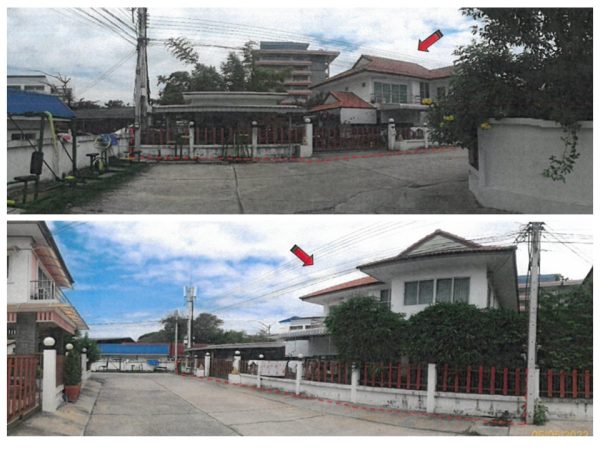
point(396, 89)
point(36, 277)
point(440, 268)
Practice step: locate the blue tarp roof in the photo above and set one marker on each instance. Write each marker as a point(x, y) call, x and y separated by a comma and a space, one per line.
point(134, 349)
point(24, 103)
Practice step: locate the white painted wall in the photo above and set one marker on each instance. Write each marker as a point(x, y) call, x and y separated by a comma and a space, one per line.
point(21, 260)
point(358, 116)
point(320, 345)
point(19, 156)
point(512, 155)
point(477, 293)
point(297, 347)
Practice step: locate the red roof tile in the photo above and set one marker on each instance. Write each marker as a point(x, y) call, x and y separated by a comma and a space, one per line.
point(365, 281)
point(392, 66)
point(344, 100)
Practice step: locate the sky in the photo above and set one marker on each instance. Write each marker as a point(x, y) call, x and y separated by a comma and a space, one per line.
point(129, 274)
point(101, 62)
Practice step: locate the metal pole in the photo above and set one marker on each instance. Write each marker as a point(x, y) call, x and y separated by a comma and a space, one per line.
point(190, 295)
point(176, 333)
point(535, 231)
point(141, 79)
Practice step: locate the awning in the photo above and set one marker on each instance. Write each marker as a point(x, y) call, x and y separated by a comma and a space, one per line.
point(24, 103)
point(53, 264)
point(63, 316)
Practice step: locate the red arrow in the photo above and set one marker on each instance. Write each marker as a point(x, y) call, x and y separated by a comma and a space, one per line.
point(424, 45)
point(302, 255)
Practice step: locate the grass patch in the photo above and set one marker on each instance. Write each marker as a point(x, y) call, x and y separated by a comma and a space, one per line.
point(61, 199)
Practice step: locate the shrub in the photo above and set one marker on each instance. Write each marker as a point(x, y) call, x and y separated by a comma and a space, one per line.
point(72, 369)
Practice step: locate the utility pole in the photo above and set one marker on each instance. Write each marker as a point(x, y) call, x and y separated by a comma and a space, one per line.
point(534, 231)
point(141, 91)
point(176, 335)
point(189, 293)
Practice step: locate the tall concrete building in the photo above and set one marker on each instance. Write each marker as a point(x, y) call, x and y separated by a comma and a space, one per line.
point(307, 67)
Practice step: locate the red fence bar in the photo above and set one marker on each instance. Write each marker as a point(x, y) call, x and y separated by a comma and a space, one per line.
point(550, 382)
point(480, 381)
point(492, 380)
point(562, 383)
point(331, 370)
point(468, 381)
point(517, 381)
point(586, 383)
point(366, 375)
point(381, 383)
point(408, 377)
point(456, 381)
point(418, 382)
point(390, 375)
point(399, 377)
point(505, 381)
point(574, 382)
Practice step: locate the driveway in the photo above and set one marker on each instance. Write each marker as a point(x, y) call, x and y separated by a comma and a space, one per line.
point(165, 404)
point(428, 183)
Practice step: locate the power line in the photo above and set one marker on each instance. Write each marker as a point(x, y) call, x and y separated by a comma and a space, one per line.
point(108, 72)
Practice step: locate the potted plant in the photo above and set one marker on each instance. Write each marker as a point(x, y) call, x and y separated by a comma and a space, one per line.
point(72, 376)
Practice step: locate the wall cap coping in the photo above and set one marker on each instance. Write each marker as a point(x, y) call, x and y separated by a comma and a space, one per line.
point(541, 123)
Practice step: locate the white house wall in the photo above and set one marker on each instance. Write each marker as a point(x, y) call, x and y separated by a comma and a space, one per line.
point(375, 292)
point(320, 345)
point(21, 266)
point(478, 289)
point(297, 347)
point(358, 116)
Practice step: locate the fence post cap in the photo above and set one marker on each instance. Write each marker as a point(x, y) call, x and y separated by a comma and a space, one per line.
point(261, 356)
point(390, 120)
point(207, 354)
point(84, 350)
point(254, 123)
point(307, 120)
point(300, 355)
point(237, 353)
point(49, 341)
point(69, 346)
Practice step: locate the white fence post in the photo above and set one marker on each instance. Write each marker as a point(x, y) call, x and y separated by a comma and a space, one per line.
point(254, 138)
point(431, 384)
point(299, 372)
point(84, 372)
point(191, 133)
point(49, 377)
point(258, 368)
point(391, 132)
point(236, 362)
point(354, 379)
point(207, 364)
point(426, 136)
point(306, 148)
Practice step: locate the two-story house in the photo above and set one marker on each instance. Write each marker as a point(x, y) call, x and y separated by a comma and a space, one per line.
point(36, 275)
point(396, 90)
point(441, 267)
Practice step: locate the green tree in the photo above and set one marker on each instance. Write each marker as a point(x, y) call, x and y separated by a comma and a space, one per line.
point(82, 103)
point(363, 330)
point(174, 86)
point(234, 75)
point(80, 342)
point(115, 104)
point(206, 78)
point(528, 62)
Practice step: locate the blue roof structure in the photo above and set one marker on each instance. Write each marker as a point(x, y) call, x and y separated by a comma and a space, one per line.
point(24, 103)
point(134, 349)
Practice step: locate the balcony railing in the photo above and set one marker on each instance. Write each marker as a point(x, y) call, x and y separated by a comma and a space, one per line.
point(47, 290)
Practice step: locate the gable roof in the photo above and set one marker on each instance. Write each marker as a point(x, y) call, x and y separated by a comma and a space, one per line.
point(365, 281)
point(440, 242)
point(25, 103)
point(343, 100)
point(369, 63)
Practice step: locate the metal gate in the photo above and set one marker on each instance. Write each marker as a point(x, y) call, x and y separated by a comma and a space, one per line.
point(220, 368)
point(345, 137)
point(22, 391)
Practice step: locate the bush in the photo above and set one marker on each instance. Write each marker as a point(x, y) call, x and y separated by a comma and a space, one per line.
point(72, 369)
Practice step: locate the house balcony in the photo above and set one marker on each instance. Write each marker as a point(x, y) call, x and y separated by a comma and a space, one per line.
point(47, 291)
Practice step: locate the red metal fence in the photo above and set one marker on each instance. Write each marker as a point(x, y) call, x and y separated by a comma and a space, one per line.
point(327, 371)
point(566, 383)
point(349, 138)
point(394, 375)
point(22, 393)
point(224, 136)
point(482, 380)
point(220, 368)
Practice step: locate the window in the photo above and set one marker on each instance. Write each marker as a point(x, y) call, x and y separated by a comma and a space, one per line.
point(295, 327)
point(390, 93)
point(34, 88)
point(424, 90)
point(441, 92)
point(418, 292)
point(385, 298)
point(443, 290)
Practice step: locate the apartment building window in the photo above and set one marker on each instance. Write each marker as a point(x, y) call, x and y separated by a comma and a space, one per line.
point(443, 290)
point(385, 298)
point(424, 90)
point(390, 93)
point(34, 88)
point(296, 327)
point(441, 92)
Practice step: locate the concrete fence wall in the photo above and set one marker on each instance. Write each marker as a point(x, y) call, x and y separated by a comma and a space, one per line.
point(52, 395)
point(513, 153)
point(428, 400)
point(19, 157)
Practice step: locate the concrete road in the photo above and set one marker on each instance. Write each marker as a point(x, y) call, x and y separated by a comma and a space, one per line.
point(428, 183)
point(165, 404)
